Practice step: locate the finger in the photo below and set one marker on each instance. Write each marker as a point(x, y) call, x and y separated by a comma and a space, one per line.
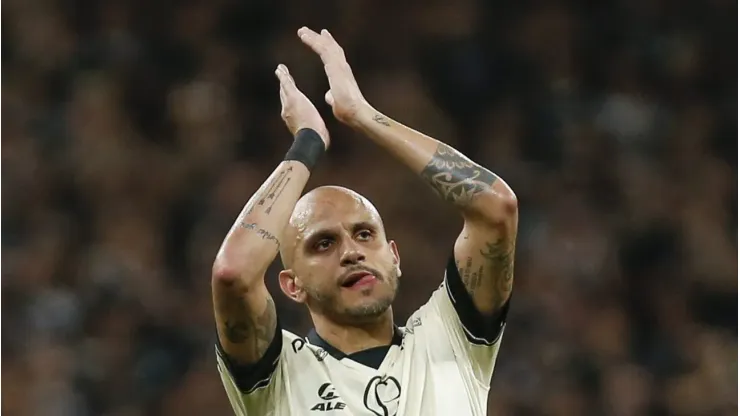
point(313, 40)
point(325, 33)
point(284, 76)
point(331, 43)
point(329, 98)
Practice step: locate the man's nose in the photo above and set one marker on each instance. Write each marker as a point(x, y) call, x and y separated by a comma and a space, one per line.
point(352, 255)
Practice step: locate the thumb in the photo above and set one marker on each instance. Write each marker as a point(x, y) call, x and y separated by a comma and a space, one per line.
point(329, 98)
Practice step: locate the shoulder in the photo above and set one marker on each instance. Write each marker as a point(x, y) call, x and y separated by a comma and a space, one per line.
point(450, 314)
point(251, 377)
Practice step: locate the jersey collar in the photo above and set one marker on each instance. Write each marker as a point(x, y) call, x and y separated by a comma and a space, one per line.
point(314, 338)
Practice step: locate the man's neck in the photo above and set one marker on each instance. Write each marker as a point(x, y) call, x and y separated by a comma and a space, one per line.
point(351, 339)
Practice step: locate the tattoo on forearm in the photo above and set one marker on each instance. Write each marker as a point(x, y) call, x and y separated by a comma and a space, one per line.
point(276, 187)
point(276, 195)
point(456, 178)
point(240, 328)
point(264, 234)
point(381, 120)
point(271, 191)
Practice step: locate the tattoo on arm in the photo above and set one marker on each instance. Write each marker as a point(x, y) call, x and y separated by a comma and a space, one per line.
point(456, 178)
point(271, 192)
point(471, 276)
point(496, 270)
point(276, 187)
point(381, 120)
point(499, 257)
point(241, 328)
point(237, 326)
point(266, 235)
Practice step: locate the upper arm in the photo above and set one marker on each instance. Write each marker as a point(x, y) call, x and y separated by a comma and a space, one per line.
point(249, 340)
point(246, 319)
point(472, 339)
point(484, 256)
point(253, 389)
point(478, 285)
point(484, 251)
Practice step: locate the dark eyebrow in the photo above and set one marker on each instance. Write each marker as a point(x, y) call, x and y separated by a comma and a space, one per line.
point(364, 225)
point(318, 235)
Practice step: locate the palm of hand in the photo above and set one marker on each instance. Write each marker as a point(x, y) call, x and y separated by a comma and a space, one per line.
point(345, 100)
point(344, 94)
point(298, 111)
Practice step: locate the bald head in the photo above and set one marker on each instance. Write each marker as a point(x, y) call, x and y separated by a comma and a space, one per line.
point(324, 207)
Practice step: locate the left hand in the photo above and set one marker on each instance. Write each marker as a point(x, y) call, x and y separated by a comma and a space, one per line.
point(298, 111)
point(344, 94)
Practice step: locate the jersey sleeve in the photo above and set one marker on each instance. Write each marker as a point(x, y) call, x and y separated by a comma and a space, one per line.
point(253, 389)
point(474, 337)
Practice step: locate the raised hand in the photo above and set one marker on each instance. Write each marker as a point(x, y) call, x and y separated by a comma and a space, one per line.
point(298, 111)
point(344, 94)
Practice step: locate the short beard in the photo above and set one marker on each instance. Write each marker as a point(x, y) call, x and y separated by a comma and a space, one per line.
point(367, 313)
point(327, 305)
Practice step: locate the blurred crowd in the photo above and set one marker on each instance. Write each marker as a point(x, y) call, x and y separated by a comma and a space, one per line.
point(134, 131)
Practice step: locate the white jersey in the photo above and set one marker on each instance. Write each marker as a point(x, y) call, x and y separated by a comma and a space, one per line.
point(440, 363)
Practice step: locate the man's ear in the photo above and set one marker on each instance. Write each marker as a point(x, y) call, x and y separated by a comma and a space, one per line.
point(288, 285)
point(396, 256)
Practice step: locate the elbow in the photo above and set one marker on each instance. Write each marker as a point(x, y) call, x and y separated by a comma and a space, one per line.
point(506, 209)
point(228, 274)
point(227, 270)
point(509, 205)
point(223, 274)
point(229, 265)
point(499, 207)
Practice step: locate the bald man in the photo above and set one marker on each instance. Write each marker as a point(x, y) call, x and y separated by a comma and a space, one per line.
point(341, 266)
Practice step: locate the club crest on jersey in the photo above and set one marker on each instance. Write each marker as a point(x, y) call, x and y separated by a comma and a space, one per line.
point(330, 400)
point(382, 396)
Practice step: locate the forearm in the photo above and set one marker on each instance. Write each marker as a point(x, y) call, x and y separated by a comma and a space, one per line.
point(475, 190)
point(246, 318)
point(253, 241)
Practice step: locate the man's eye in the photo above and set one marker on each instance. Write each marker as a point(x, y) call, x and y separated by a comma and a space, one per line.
point(364, 235)
point(323, 245)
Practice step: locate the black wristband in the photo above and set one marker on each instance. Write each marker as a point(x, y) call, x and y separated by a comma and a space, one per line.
point(307, 148)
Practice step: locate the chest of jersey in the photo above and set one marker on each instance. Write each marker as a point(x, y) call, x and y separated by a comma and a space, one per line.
point(434, 370)
point(412, 379)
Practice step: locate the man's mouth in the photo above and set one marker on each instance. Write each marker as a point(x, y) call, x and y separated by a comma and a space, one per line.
point(359, 279)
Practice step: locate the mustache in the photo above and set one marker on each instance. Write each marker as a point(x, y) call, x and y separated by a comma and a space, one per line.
point(356, 269)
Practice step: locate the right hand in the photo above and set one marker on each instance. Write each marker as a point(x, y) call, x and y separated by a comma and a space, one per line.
point(298, 111)
point(344, 95)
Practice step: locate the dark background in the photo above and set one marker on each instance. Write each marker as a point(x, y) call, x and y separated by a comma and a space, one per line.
point(134, 131)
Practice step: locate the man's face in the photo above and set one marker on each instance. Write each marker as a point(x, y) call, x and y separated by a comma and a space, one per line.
point(344, 264)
